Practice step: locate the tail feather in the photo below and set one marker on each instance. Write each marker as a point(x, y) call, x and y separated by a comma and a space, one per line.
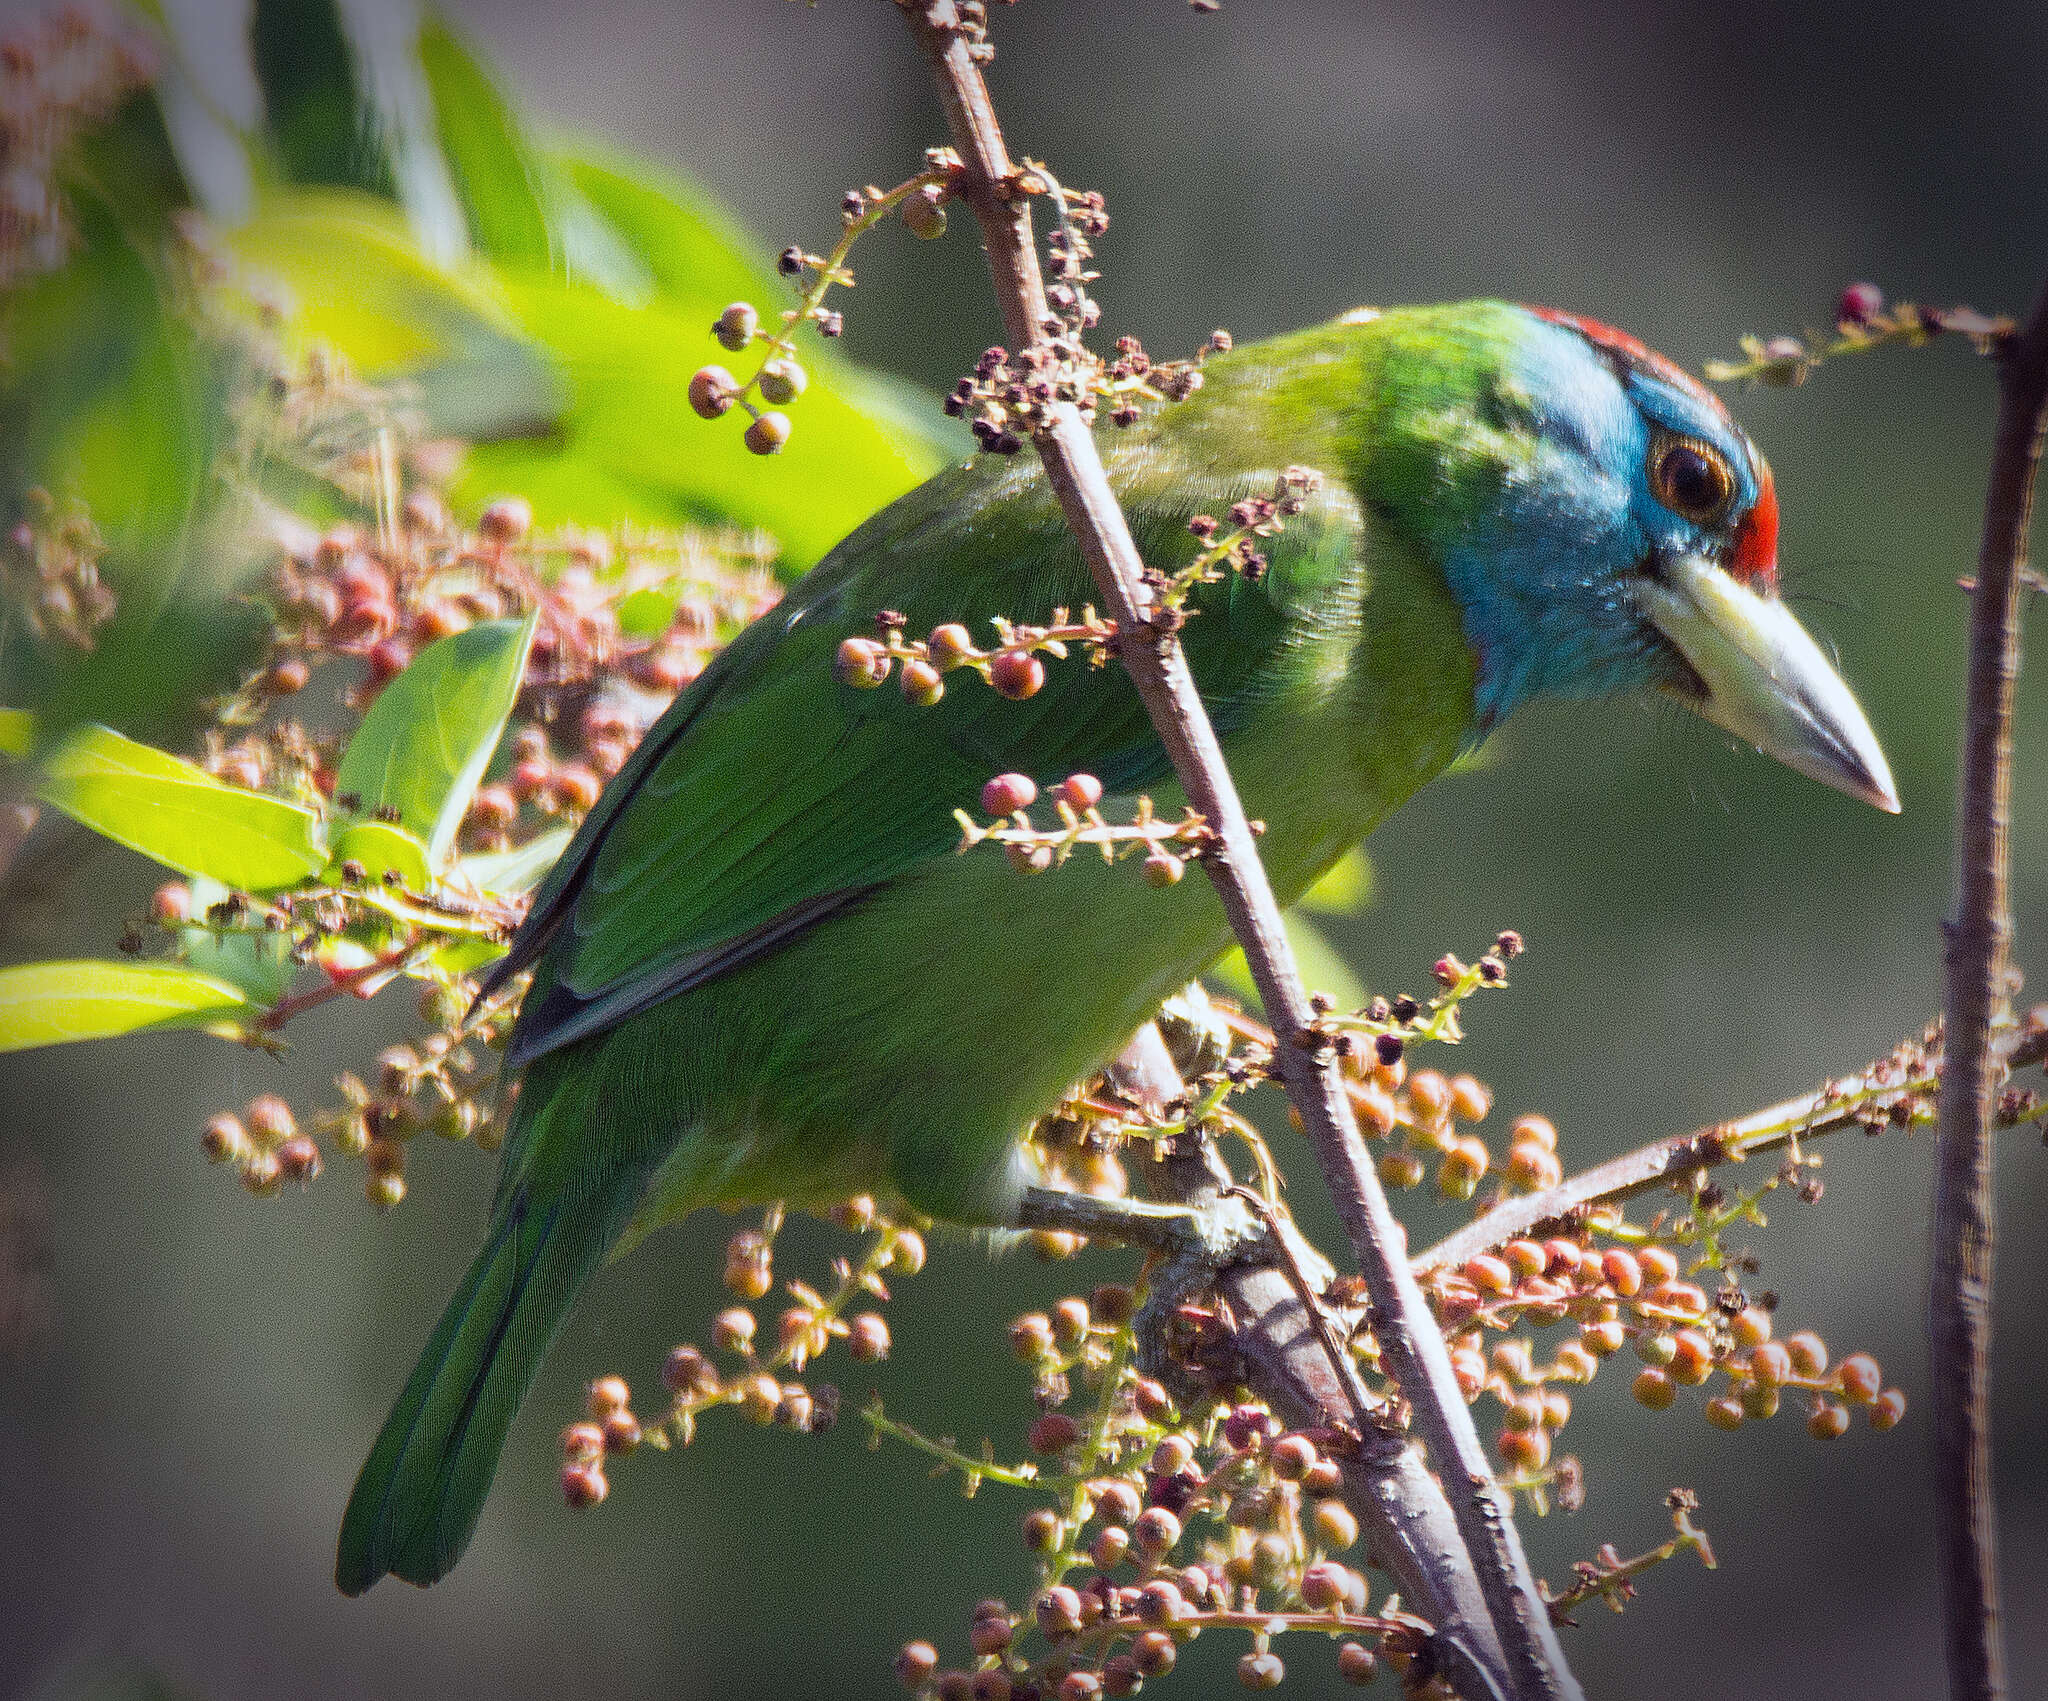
point(418, 1497)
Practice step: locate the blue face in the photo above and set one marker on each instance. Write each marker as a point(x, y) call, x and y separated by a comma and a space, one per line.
point(1620, 463)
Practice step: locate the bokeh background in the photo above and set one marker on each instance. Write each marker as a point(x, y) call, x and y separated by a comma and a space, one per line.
point(1708, 933)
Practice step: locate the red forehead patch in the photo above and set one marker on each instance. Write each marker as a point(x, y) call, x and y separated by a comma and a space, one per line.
point(1755, 558)
point(1630, 352)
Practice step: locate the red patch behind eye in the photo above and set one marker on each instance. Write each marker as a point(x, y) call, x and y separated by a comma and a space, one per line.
point(1755, 560)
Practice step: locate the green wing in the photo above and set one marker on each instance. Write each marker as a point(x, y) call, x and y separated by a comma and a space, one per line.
point(771, 796)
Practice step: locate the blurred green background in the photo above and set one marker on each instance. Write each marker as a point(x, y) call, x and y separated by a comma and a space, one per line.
point(1708, 933)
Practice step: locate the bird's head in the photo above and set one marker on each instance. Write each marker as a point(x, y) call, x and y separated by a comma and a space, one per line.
point(1607, 527)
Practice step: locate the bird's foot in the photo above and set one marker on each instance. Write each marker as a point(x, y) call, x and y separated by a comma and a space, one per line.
point(1213, 1235)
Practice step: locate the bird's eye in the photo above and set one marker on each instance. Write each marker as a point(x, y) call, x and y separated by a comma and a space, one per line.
point(1692, 480)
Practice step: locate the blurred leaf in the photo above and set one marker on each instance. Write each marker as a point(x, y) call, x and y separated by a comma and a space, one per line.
point(56, 1003)
point(426, 740)
point(508, 873)
point(259, 963)
point(321, 121)
point(360, 285)
point(630, 448)
point(496, 174)
point(17, 732)
point(691, 250)
point(1322, 968)
point(382, 849)
point(179, 814)
point(1345, 889)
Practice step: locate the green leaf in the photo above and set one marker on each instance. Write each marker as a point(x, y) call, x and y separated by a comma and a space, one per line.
point(507, 873)
point(1322, 969)
point(180, 815)
point(55, 1003)
point(17, 732)
point(1345, 889)
point(381, 849)
point(424, 744)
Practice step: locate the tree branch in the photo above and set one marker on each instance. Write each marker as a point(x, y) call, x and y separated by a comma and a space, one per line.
point(1412, 1347)
point(1845, 1103)
point(1979, 942)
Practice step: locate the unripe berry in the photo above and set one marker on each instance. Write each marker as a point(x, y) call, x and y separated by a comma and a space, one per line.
point(761, 1399)
point(1155, 1653)
point(922, 686)
point(224, 1139)
point(1110, 1545)
point(861, 663)
point(749, 1268)
point(506, 520)
point(732, 1330)
point(583, 1485)
point(1007, 794)
point(1860, 303)
point(1750, 1326)
point(1684, 1299)
point(298, 1159)
point(1293, 1456)
point(1430, 1094)
point(1725, 1412)
point(1058, 1611)
point(1525, 1449)
point(1470, 1100)
point(1031, 1337)
point(1557, 1408)
point(1828, 1421)
point(687, 1372)
point(1526, 1257)
point(1156, 1531)
point(1070, 1323)
point(1016, 674)
point(1760, 1401)
point(1042, 1529)
point(950, 645)
point(1161, 1603)
point(1604, 1339)
point(915, 1664)
point(1260, 1671)
point(1172, 1456)
point(1489, 1274)
point(867, 1337)
point(1887, 1409)
point(767, 434)
point(1079, 1686)
point(1464, 1165)
point(1659, 1264)
point(1563, 1257)
point(1081, 792)
point(713, 390)
point(1623, 1273)
point(1539, 1130)
point(607, 1395)
point(735, 327)
point(1323, 1586)
point(1809, 1353)
point(1334, 1525)
point(1692, 1358)
point(1356, 1664)
point(1654, 1388)
point(269, 1120)
point(1860, 1378)
point(384, 1190)
point(781, 381)
point(922, 214)
point(1163, 869)
point(1399, 1169)
point(1053, 1432)
point(262, 1174)
point(1531, 1168)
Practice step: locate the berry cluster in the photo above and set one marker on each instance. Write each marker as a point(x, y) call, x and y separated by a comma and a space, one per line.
point(780, 379)
point(60, 73)
point(49, 573)
point(1863, 321)
point(1167, 846)
point(756, 1384)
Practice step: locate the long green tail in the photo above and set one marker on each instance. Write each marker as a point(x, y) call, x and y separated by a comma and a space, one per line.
point(417, 1500)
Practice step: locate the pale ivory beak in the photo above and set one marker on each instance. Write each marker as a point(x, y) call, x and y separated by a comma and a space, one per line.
point(1765, 680)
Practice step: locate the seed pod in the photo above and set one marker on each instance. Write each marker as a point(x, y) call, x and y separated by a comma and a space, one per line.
point(922, 214)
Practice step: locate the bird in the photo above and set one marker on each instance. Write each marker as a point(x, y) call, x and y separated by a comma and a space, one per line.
point(760, 971)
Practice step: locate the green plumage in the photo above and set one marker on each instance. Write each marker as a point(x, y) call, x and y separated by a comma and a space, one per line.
point(761, 971)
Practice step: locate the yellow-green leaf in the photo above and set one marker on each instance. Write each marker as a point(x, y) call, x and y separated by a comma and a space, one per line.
point(1322, 969)
point(17, 732)
point(380, 848)
point(424, 744)
point(179, 814)
point(56, 1003)
point(1345, 889)
point(507, 873)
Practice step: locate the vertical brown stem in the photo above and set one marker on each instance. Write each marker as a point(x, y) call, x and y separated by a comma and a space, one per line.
point(1412, 1347)
point(1979, 942)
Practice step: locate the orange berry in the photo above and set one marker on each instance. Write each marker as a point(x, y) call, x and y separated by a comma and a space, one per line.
point(1527, 1257)
point(1860, 1378)
point(1659, 1264)
point(1887, 1409)
point(1603, 1339)
point(1489, 1274)
point(1828, 1422)
point(1430, 1095)
point(583, 1485)
point(1538, 1130)
point(1623, 1271)
point(1770, 1364)
point(1654, 1388)
point(1533, 1168)
point(1809, 1353)
point(1725, 1412)
point(1693, 1361)
point(1470, 1101)
point(1525, 1449)
point(608, 1394)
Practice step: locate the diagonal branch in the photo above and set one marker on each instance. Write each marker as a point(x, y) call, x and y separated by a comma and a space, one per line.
point(1979, 943)
point(1412, 1347)
point(1674, 1161)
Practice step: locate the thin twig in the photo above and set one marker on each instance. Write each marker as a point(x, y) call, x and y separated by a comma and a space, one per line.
point(1412, 1347)
point(1673, 1161)
point(1979, 942)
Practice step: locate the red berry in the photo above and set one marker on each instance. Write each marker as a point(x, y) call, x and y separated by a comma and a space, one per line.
point(583, 1485)
point(712, 390)
point(1053, 1432)
point(388, 658)
point(1081, 792)
point(506, 520)
point(1006, 794)
point(1860, 303)
point(608, 1394)
point(1016, 674)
